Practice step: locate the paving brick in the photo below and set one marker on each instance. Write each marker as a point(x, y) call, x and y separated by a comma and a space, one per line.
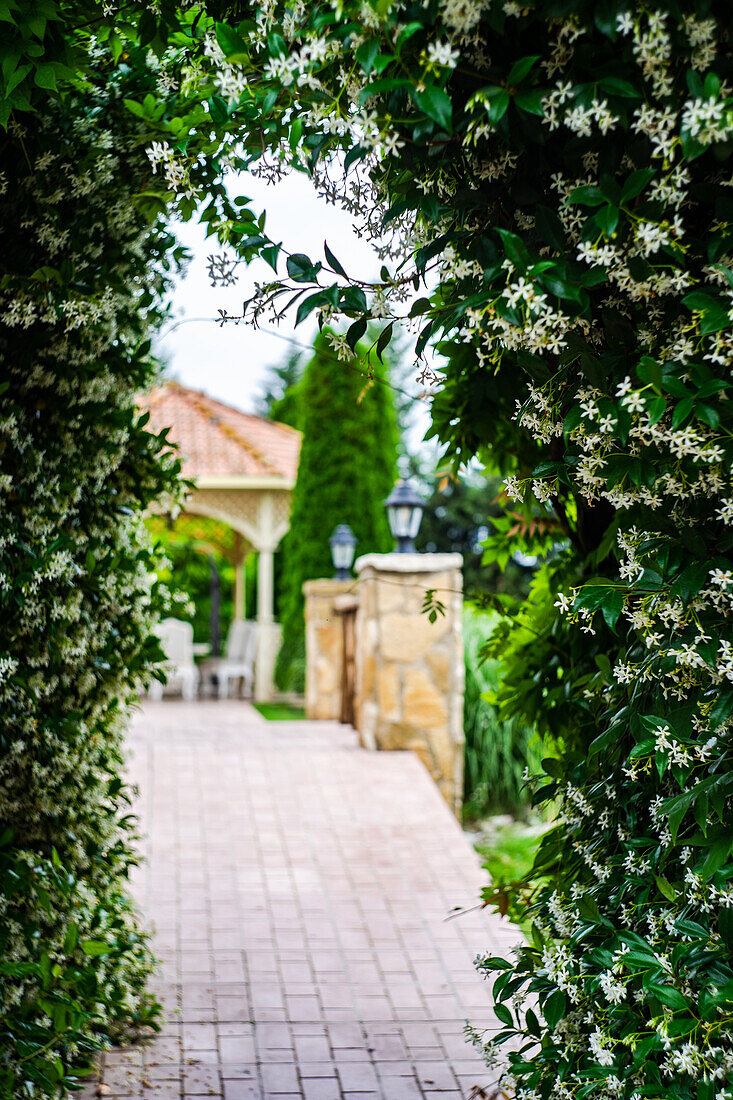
point(280, 1077)
point(321, 1088)
point(301, 927)
point(201, 1081)
point(357, 1076)
point(242, 1090)
point(316, 1069)
point(312, 1048)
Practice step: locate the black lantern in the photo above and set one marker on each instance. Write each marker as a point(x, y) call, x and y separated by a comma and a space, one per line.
point(342, 543)
point(404, 511)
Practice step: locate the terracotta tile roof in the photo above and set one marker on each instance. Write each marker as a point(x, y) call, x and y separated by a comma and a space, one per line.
point(217, 440)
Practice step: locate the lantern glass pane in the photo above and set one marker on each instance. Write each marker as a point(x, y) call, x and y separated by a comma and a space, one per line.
point(342, 554)
point(400, 520)
point(415, 517)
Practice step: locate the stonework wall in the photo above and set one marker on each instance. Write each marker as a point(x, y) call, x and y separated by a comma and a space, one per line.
point(409, 671)
point(323, 647)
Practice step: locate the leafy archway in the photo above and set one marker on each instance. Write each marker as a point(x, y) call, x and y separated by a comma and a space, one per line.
point(549, 189)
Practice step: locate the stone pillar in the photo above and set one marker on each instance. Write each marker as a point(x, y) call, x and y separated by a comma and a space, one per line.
point(323, 647)
point(268, 647)
point(239, 593)
point(410, 673)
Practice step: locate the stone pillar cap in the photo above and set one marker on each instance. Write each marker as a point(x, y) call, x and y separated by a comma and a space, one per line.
point(328, 586)
point(409, 563)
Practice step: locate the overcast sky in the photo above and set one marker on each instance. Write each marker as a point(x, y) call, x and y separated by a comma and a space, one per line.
point(229, 362)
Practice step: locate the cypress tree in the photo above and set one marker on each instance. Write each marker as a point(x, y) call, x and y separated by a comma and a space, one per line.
point(347, 468)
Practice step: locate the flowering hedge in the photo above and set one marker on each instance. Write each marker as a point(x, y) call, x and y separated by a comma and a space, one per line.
point(81, 271)
point(549, 188)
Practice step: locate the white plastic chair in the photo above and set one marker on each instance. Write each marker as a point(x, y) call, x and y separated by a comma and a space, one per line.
point(240, 656)
point(176, 639)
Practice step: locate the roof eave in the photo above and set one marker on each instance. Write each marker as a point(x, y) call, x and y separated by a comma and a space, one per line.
point(242, 481)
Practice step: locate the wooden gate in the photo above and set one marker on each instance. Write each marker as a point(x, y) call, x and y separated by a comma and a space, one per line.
point(347, 608)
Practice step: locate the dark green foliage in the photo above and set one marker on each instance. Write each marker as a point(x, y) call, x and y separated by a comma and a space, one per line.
point(498, 751)
point(457, 518)
point(346, 471)
point(279, 398)
point(82, 272)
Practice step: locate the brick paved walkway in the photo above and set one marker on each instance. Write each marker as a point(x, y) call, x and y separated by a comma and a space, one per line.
point(298, 887)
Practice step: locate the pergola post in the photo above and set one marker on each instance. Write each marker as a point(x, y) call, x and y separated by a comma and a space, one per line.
point(240, 607)
point(265, 586)
point(269, 630)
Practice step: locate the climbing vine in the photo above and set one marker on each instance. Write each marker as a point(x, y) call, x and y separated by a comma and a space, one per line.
point(81, 277)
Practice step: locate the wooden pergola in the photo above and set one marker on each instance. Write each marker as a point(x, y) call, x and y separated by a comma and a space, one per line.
point(244, 469)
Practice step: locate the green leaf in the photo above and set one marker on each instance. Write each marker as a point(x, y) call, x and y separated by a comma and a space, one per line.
point(46, 77)
point(725, 925)
point(367, 53)
point(15, 78)
point(587, 195)
point(377, 87)
point(682, 410)
point(357, 153)
point(355, 332)
point(231, 43)
point(670, 997)
point(277, 45)
point(502, 1013)
point(218, 110)
point(296, 132)
point(690, 581)
point(422, 305)
point(407, 32)
point(533, 1024)
point(722, 708)
point(607, 219)
point(497, 106)
point(147, 27)
point(656, 408)
point(520, 69)
point(613, 85)
point(71, 938)
point(549, 226)
point(612, 606)
point(95, 947)
point(530, 101)
point(717, 856)
point(650, 371)
point(553, 1008)
point(301, 269)
point(713, 311)
point(572, 420)
point(636, 183)
point(384, 338)
point(306, 307)
point(353, 300)
point(270, 255)
point(494, 962)
point(515, 249)
point(436, 103)
point(333, 261)
point(666, 889)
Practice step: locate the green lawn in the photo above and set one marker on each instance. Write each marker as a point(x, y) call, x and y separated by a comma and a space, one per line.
point(507, 847)
point(279, 712)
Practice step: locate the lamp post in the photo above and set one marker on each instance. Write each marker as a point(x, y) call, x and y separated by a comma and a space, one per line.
point(342, 543)
point(404, 512)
